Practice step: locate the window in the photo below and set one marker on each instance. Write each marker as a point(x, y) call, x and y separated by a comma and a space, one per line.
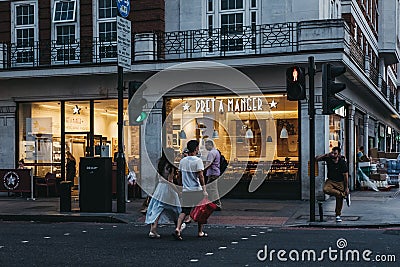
point(231, 32)
point(107, 9)
point(253, 3)
point(210, 5)
point(65, 32)
point(24, 33)
point(107, 29)
point(64, 11)
point(231, 4)
point(66, 40)
point(25, 15)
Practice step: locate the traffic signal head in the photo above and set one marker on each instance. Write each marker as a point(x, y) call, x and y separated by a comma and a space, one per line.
point(330, 102)
point(295, 83)
point(136, 103)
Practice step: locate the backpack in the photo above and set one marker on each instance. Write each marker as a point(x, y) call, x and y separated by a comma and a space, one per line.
point(223, 163)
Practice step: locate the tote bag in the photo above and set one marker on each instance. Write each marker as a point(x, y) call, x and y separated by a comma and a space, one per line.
point(203, 210)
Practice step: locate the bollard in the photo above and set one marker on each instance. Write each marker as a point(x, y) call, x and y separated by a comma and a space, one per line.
point(321, 212)
point(65, 196)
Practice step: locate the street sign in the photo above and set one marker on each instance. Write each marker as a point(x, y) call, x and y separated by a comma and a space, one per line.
point(124, 7)
point(124, 42)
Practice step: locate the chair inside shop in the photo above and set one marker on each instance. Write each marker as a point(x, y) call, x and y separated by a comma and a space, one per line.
point(48, 182)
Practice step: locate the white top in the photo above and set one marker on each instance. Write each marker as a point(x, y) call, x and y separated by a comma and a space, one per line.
point(189, 167)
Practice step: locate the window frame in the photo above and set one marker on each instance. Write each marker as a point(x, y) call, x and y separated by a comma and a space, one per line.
point(96, 33)
point(30, 26)
point(73, 12)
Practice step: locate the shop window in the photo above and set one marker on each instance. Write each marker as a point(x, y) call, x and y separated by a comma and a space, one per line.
point(202, 118)
point(40, 137)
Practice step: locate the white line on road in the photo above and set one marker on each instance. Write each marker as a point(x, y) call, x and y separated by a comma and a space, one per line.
point(194, 260)
point(47, 237)
point(25, 241)
point(67, 234)
point(234, 242)
point(222, 248)
point(209, 253)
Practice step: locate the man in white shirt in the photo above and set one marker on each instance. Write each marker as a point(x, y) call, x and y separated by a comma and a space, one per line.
point(193, 186)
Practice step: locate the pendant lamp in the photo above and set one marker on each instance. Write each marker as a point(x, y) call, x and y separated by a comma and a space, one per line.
point(182, 134)
point(284, 133)
point(215, 134)
point(249, 133)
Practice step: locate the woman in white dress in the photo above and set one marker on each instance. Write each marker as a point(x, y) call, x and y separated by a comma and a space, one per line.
point(164, 204)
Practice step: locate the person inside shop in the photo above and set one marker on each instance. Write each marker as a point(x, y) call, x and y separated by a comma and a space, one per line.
point(71, 167)
point(337, 183)
point(164, 203)
point(361, 157)
point(213, 172)
point(21, 164)
point(191, 179)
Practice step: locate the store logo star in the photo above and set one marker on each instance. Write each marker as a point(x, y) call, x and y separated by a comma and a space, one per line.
point(273, 104)
point(77, 110)
point(186, 107)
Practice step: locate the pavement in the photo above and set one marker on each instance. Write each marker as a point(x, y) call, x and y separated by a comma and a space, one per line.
point(368, 209)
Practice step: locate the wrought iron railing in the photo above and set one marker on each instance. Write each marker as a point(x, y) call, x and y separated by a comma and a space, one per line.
point(52, 52)
point(384, 88)
point(356, 54)
point(374, 75)
point(222, 41)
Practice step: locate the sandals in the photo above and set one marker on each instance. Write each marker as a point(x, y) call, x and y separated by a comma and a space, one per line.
point(202, 234)
point(177, 235)
point(154, 235)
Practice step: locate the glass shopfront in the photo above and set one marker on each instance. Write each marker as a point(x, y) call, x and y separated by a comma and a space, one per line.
point(249, 131)
point(40, 134)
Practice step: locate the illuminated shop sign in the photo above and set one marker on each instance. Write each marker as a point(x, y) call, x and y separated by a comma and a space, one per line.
point(229, 104)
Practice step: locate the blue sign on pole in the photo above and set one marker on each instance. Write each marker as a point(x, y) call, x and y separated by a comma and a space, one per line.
point(124, 7)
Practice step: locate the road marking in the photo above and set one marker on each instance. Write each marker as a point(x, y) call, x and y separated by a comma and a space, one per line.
point(67, 234)
point(269, 230)
point(194, 260)
point(209, 253)
point(234, 242)
point(253, 235)
point(84, 231)
point(262, 232)
point(47, 237)
point(244, 238)
point(101, 228)
point(222, 248)
point(114, 226)
point(25, 241)
point(1, 246)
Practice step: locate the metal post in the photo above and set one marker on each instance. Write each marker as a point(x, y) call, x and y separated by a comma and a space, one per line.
point(311, 112)
point(121, 206)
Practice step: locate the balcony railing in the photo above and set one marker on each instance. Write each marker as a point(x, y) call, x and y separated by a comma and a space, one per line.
point(266, 39)
point(52, 52)
point(260, 39)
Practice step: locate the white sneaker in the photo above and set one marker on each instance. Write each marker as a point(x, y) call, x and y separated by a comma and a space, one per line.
point(338, 219)
point(183, 226)
point(348, 200)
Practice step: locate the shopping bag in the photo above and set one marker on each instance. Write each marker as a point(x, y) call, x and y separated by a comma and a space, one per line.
point(203, 210)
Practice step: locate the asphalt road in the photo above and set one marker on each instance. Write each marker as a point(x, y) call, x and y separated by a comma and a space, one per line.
point(92, 244)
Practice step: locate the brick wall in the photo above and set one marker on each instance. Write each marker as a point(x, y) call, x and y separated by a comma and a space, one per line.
point(147, 15)
point(5, 22)
point(44, 32)
point(86, 30)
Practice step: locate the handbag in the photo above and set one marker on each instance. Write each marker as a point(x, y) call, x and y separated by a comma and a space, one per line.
point(202, 211)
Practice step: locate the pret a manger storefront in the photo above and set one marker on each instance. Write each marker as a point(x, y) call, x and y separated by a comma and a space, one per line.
point(258, 134)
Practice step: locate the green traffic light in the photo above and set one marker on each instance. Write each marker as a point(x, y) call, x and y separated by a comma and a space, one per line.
point(141, 117)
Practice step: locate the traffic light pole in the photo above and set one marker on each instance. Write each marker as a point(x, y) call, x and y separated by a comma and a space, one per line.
point(311, 113)
point(121, 206)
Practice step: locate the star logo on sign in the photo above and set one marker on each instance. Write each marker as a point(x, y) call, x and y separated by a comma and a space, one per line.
point(186, 107)
point(77, 110)
point(273, 104)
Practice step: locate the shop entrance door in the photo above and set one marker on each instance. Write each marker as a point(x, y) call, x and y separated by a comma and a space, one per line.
point(78, 145)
